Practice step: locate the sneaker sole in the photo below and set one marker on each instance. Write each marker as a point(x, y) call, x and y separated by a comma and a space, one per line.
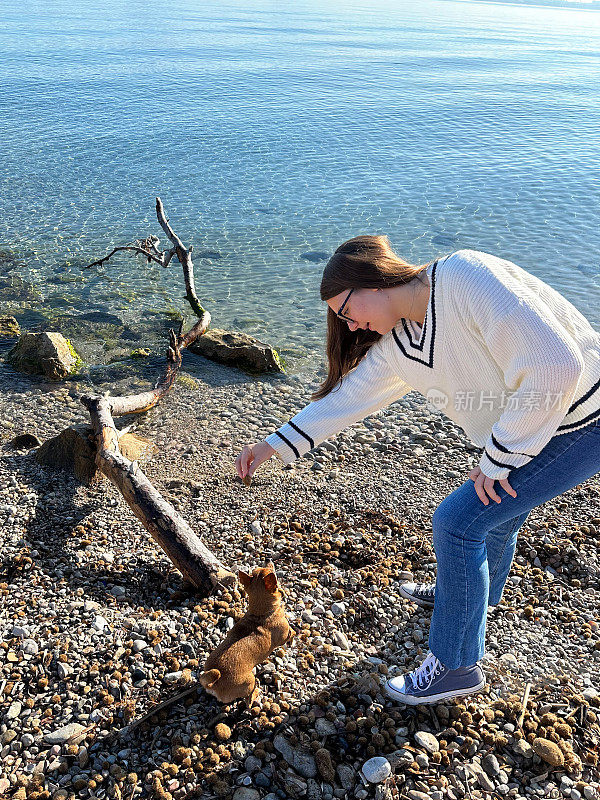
point(409, 700)
point(413, 599)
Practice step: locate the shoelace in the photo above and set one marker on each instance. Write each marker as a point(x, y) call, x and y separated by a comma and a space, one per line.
point(426, 589)
point(423, 675)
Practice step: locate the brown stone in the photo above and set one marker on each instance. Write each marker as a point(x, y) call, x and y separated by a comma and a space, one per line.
point(325, 765)
point(73, 451)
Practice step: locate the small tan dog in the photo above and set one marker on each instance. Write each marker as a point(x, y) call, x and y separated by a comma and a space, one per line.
point(229, 669)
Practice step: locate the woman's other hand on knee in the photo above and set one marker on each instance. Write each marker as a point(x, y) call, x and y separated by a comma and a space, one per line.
point(484, 486)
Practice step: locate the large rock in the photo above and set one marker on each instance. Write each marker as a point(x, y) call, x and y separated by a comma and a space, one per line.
point(47, 353)
point(297, 757)
point(237, 350)
point(73, 732)
point(73, 451)
point(9, 327)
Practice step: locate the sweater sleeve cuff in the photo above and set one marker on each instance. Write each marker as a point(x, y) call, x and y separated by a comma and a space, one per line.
point(492, 468)
point(290, 443)
point(497, 461)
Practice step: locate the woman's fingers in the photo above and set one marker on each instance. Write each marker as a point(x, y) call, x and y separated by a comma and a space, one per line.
point(474, 473)
point(251, 457)
point(506, 485)
point(484, 487)
point(479, 488)
point(242, 461)
point(488, 485)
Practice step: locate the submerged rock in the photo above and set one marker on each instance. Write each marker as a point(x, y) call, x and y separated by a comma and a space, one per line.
point(47, 353)
point(208, 254)
point(237, 350)
point(102, 317)
point(445, 239)
point(315, 256)
point(15, 289)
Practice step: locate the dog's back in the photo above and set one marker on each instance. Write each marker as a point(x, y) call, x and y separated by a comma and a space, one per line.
point(228, 671)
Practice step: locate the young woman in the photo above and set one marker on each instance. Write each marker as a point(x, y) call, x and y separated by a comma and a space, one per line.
point(506, 357)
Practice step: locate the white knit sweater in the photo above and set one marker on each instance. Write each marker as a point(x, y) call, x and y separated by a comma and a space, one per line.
point(500, 352)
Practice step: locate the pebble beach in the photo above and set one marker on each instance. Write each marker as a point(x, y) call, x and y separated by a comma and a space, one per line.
point(97, 628)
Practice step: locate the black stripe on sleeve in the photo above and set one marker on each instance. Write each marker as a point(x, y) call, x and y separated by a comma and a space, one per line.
point(503, 449)
point(499, 463)
point(585, 397)
point(581, 423)
point(301, 432)
point(289, 444)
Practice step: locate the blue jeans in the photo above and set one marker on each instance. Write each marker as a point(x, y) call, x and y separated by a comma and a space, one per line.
point(475, 544)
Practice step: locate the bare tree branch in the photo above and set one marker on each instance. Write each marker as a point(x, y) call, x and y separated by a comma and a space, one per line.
point(185, 258)
point(133, 248)
point(196, 563)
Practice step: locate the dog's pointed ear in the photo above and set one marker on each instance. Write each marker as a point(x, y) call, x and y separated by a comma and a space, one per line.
point(244, 579)
point(270, 581)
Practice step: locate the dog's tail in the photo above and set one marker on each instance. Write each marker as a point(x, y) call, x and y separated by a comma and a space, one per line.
point(208, 679)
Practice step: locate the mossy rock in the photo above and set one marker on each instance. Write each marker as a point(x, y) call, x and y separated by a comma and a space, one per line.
point(238, 350)
point(48, 354)
point(186, 380)
point(9, 327)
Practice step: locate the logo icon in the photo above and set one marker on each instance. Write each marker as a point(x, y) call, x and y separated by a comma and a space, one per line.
point(436, 399)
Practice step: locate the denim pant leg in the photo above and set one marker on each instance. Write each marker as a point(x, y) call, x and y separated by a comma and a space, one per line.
point(501, 543)
point(462, 523)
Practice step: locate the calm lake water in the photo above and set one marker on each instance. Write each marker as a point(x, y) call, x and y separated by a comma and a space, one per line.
point(273, 132)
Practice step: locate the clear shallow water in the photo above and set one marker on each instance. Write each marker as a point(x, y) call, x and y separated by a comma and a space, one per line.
point(271, 132)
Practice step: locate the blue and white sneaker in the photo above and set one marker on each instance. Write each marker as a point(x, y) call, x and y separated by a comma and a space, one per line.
point(423, 594)
point(432, 682)
point(420, 593)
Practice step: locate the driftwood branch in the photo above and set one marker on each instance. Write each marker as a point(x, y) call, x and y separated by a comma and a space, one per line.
point(186, 551)
point(185, 259)
point(134, 248)
point(148, 248)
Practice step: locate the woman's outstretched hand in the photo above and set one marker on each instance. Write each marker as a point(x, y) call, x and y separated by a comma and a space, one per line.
point(484, 484)
point(251, 457)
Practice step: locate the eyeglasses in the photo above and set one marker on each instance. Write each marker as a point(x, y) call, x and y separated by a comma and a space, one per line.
point(340, 313)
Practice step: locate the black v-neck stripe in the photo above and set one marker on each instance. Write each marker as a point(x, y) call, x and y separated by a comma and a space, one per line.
point(428, 360)
point(416, 345)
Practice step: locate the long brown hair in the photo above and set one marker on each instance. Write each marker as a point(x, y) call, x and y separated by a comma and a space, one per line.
point(362, 262)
